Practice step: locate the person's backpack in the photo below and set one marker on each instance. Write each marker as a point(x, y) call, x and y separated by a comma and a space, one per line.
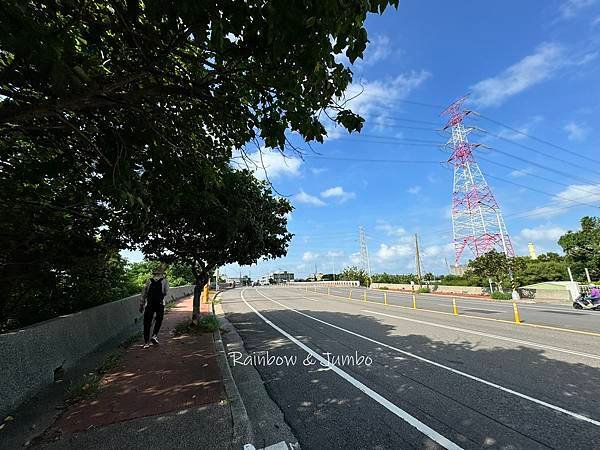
point(155, 292)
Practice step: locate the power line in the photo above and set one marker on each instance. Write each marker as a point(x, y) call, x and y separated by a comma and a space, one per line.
point(539, 152)
point(390, 140)
point(542, 141)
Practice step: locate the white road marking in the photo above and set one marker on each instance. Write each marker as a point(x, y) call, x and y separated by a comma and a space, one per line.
point(450, 369)
point(429, 432)
point(493, 336)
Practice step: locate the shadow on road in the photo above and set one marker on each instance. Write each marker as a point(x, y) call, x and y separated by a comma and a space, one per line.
point(319, 403)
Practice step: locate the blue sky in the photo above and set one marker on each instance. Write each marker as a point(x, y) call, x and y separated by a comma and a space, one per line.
point(531, 65)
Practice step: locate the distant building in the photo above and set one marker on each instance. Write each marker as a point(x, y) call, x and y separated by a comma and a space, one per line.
point(281, 277)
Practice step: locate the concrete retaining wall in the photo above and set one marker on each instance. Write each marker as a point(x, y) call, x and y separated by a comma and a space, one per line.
point(546, 295)
point(30, 356)
point(440, 289)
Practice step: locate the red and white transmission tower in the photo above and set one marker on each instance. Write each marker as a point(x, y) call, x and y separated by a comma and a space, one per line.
point(477, 222)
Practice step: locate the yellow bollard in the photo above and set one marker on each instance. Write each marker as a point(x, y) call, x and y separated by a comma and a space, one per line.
point(350, 296)
point(385, 298)
point(365, 296)
point(414, 301)
point(205, 294)
point(306, 288)
point(454, 310)
point(516, 310)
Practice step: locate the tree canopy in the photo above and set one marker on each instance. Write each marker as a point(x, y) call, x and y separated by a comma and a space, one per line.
point(98, 98)
point(582, 248)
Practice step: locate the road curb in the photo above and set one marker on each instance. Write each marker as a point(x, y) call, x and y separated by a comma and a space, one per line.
point(242, 428)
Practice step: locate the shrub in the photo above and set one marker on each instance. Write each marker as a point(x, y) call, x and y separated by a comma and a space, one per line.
point(424, 290)
point(206, 324)
point(502, 295)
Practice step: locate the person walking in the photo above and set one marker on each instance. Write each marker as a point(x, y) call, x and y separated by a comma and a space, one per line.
point(152, 303)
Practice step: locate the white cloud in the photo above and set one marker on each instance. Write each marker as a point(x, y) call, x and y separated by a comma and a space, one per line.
point(576, 193)
point(529, 71)
point(307, 199)
point(310, 256)
point(373, 99)
point(521, 133)
point(338, 193)
point(521, 173)
point(388, 252)
point(266, 163)
point(570, 8)
point(378, 49)
point(542, 233)
point(575, 132)
point(317, 170)
point(414, 190)
point(335, 253)
point(389, 229)
point(355, 258)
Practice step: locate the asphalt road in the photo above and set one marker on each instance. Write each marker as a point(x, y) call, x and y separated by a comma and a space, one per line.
point(430, 381)
point(563, 316)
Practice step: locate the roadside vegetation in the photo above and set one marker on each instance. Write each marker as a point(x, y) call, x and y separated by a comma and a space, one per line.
point(581, 250)
point(206, 324)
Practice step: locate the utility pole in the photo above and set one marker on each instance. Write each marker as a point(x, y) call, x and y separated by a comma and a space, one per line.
point(447, 266)
point(333, 264)
point(364, 252)
point(418, 267)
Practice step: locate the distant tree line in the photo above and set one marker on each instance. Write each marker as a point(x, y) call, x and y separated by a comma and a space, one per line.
point(581, 248)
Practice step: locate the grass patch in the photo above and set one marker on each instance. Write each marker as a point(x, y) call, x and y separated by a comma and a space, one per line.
point(111, 361)
point(169, 306)
point(86, 389)
point(206, 324)
point(384, 288)
point(424, 290)
point(497, 295)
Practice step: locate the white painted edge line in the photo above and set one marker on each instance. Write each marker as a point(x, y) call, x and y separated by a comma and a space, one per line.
point(429, 432)
point(450, 369)
point(493, 336)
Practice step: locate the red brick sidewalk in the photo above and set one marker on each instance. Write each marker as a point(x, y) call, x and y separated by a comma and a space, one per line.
point(182, 372)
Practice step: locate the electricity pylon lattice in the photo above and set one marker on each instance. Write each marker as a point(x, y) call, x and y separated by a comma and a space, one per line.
point(364, 252)
point(477, 222)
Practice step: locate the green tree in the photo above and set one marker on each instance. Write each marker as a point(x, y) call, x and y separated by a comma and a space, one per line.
point(205, 225)
point(582, 248)
point(494, 265)
point(547, 267)
point(177, 274)
point(98, 97)
point(353, 273)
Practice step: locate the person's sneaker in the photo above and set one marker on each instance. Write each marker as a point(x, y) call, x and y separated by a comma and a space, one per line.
point(146, 345)
point(154, 340)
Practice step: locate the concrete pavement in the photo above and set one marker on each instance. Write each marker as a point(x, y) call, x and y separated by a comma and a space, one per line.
point(434, 380)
